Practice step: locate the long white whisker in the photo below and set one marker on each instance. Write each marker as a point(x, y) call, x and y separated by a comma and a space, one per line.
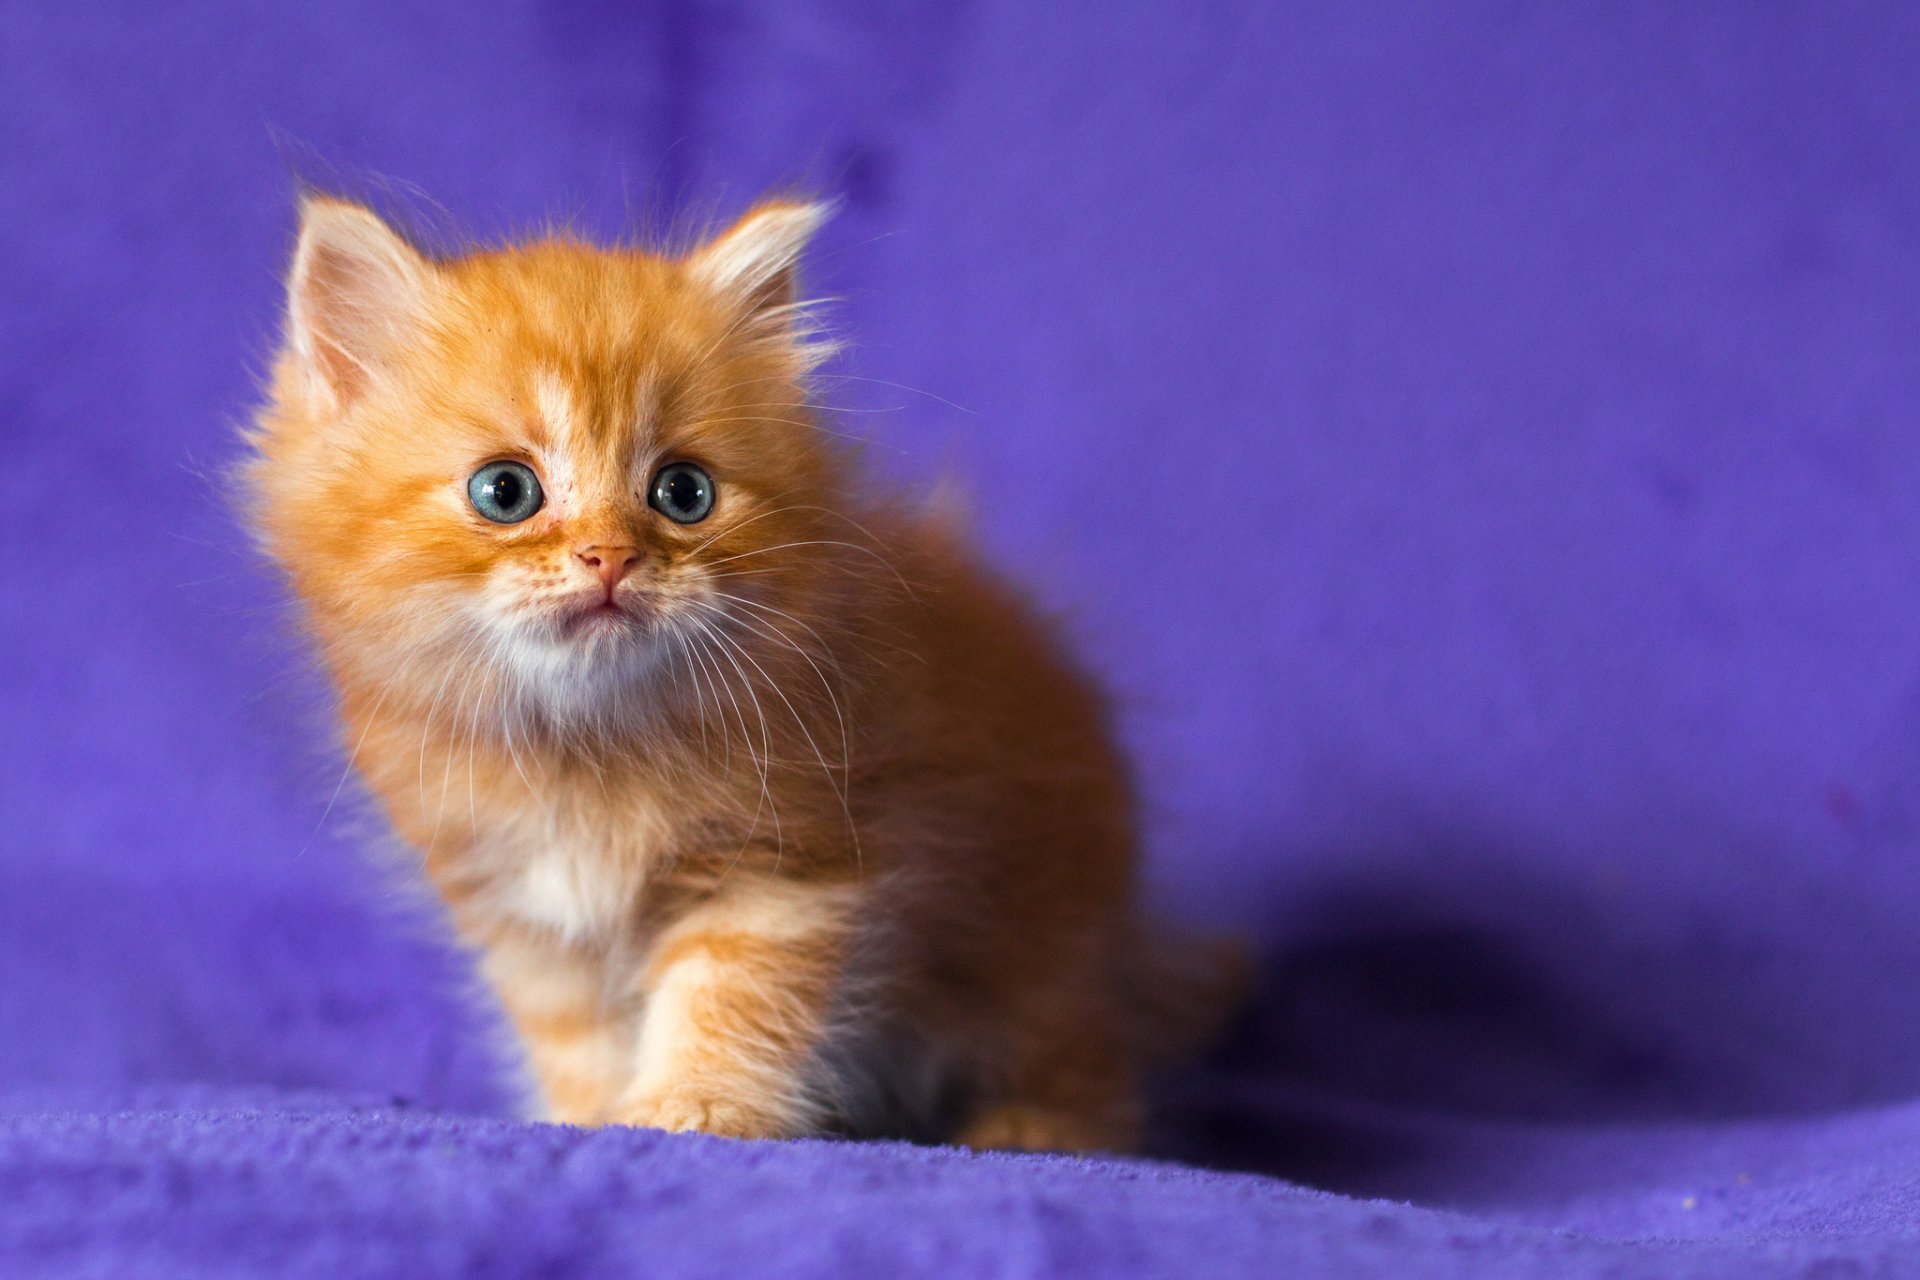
point(699, 695)
point(766, 744)
point(715, 683)
point(778, 692)
point(386, 688)
point(808, 424)
point(897, 386)
point(839, 785)
point(751, 520)
point(822, 542)
point(774, 632)
point(467, 649)
point(452, 750)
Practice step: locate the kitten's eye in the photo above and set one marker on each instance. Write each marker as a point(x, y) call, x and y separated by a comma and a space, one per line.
point(682, 492)
point(505, 492)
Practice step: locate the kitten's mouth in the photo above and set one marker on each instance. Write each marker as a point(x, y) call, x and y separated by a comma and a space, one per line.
point(598, 615)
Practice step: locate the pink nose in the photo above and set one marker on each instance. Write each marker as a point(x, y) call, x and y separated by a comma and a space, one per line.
point(610, 563)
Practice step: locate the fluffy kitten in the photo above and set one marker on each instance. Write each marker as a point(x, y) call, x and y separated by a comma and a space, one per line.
point(767, 811)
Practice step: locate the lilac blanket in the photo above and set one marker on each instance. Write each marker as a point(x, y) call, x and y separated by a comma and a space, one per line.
point(1479, 443)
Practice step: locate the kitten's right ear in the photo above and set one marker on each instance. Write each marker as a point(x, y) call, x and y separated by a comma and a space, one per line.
point(354, 296)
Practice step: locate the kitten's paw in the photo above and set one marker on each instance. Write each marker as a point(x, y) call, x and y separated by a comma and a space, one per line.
point(1017, 1126)
point(691, 1111)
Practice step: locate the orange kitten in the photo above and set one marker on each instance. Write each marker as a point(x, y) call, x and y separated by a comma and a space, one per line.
point(766, 809)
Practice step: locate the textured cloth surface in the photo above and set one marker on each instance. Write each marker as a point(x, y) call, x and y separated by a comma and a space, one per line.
point(1477, 443)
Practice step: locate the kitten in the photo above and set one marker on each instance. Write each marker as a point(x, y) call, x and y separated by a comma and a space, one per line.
point(767, 811)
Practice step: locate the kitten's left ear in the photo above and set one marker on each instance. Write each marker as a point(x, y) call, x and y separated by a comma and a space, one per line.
point(356, 293)
point(753, 261)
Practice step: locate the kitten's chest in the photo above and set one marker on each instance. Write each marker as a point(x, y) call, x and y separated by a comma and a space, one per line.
point(578, 870)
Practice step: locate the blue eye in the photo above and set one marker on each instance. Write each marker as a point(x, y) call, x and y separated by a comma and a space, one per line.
point(682, 492)
point(505, 492)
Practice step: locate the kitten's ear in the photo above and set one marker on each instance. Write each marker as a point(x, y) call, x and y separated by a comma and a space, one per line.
point(354, 295)
point(753, 261)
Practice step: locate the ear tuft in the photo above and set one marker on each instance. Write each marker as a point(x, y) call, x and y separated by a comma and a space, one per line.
point(355, 293)
point(754, 260)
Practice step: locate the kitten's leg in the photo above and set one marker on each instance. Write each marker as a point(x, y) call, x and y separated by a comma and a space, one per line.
point(737, 998)
point(1048, 1125)
point(556, 996)
point(1068, 1084)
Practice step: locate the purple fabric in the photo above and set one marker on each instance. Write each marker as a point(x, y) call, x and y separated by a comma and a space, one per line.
point(1477, 440)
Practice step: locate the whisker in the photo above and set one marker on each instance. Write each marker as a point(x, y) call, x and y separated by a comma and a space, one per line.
point(767, 797)
point(426, 723)
point(700, 705)
point(809, 424)
point(766, 743)
point(813, 405)
point(823, 542)
point(346, 770)
point(446, 772)
point(897, 386)
point(841, 784)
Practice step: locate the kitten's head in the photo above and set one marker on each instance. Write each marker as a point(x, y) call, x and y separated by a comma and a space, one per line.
point(551, 469)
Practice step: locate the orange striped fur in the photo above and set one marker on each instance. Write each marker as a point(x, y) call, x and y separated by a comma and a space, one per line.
point(787, 820)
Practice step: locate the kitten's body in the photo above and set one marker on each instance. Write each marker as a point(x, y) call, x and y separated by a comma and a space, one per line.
point(807, 824)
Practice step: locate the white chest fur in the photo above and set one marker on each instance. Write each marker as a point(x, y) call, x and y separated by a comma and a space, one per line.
point(579, 893)
point(577, 874)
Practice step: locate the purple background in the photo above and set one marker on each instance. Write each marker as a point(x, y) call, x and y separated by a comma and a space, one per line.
point(1476, 440)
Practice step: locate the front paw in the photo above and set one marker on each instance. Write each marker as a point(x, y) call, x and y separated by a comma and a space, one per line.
point(1017, 1126)
point(695, 1111)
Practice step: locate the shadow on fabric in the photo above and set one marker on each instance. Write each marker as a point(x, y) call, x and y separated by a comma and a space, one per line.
point(1394, 1014)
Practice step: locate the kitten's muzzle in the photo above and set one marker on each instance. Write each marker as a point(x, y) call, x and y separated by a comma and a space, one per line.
point(609, 563)
point(595, 614)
